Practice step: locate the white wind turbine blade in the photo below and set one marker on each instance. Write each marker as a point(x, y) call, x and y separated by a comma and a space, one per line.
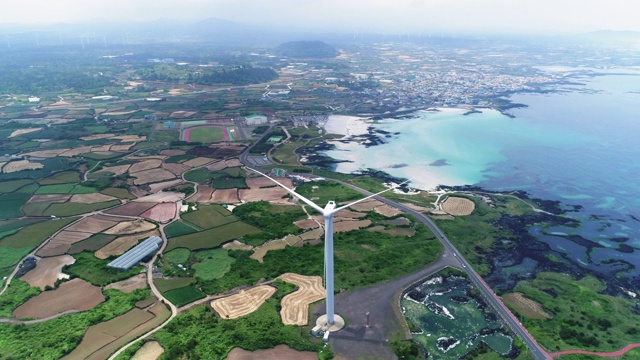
point(366, 198)
point(307, 201)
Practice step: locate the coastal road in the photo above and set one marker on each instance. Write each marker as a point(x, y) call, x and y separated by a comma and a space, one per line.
point(492, 298)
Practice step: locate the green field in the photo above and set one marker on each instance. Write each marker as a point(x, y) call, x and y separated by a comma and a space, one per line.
point(213, 264)
point(56, 189)
point(165, 285)
point(36, 208)
point(229, 183)
point(275, 221)
point(326, 191)
point(93, 243)
point(61, 178)
point(13, 185)
point(582, 317)
point(14, 247)
point(177, 256)
point(69, 208)
point(201, 176)
point(179, 228)
point(184, 295)
point(209, 216)
point(213, 237)
point(119, 193)
point(207, 134)
point(95, 270)
point(11, 204)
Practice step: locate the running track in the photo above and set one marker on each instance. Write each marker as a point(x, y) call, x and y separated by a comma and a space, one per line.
point(603, 354)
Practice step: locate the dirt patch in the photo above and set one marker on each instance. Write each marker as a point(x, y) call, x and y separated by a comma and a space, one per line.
point(163, 213)
point(173, 152)
point(92, 224)
point(91, 198)
point(46, 153)
point(153, 175)
point(295, 306)
point(274, 194)
point(280, 352)
point(60, 243)
point(386, 210)
point(181, 114)
point(457, 206)
point(116, 170)
point(199, 161)
point(15, 166)
point(47, 271)
point(260, 252)
point(151, 350)
point(225, 196)
point(130, 284)
point(75, 294)
point(162, 197)
point(154, 188)
point(121, 148)
point(220, 165)
point(527, 307)
point(307, 224)
point(175, 168)
point(145, 165)
point(314, 234)
point(76, 151)
point(96, 136)
point(263, 182)
point(237, 245)
point(344, 226)
point(131, 208)
point(367, 205)
point(23, 131)
point(233, 162)
point(348, 215)
point(131, 227)
point(203, 195)
point(49, 197)
point(243, 303)
point(120, 245)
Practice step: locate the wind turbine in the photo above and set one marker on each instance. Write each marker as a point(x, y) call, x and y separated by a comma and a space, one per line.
point(329, 210)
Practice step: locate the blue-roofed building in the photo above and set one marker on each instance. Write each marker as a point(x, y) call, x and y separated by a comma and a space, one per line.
point(129, 259)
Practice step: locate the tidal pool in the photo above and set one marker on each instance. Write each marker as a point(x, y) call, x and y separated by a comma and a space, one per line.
point(449, 319)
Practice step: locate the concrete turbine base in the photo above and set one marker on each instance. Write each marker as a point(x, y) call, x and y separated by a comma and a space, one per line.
point(338, 323)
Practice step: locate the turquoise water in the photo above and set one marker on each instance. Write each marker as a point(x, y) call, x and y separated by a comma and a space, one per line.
point(579, 146)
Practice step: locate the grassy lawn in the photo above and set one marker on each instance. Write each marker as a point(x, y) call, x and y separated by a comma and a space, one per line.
point(177, 256)
point(69, 208)
point(323, 192)
point(95, 271)
point(209, 216)
point(184, 295)
point(179, 228)
point(213, 237)
point(582, 317)
point(213, 264)
point(207, 134)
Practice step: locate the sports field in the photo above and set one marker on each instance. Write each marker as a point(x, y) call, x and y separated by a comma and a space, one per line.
point(205, 134)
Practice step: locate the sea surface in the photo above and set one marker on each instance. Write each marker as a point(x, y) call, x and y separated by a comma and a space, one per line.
point(579, 145)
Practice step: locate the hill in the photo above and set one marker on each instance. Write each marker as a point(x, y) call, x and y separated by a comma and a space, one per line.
point(307, 49)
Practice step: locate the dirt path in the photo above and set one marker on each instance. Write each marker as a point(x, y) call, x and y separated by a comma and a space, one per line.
point(597, 353)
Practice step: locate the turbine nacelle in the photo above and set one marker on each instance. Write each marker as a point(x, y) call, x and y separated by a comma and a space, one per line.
point(328, 209)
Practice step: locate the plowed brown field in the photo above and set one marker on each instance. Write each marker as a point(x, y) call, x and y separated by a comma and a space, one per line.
point(153, 175)
point(175, 168)
point(120, 245)
point(280, 352)
point(131, 208)
point(130, 227)
point(203, 195)
point(19, 165)
point(457, 206)
point(75, 294)
point(145, 165)
point(161, 213)
point(274, 194)
point(199, 161)
point(225, 196)
point(60, 243)
point(130, 284)
point(91, 198)
point(154, 188)
point(47, 271)
point(243, 303)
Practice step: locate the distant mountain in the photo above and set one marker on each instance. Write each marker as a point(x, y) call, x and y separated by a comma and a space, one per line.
point(307, 49)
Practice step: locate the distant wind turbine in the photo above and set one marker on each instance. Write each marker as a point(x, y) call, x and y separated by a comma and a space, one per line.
point(328, 212)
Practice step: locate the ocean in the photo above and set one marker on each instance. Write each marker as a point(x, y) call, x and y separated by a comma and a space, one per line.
point(578, 145)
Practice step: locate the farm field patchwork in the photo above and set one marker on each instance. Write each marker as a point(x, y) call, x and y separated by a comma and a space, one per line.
point(213, 237)
point(209, 216)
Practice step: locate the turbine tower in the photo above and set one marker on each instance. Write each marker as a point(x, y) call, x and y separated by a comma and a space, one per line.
point(329, 210)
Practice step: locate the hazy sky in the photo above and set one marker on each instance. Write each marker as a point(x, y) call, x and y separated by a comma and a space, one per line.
point(392, 16)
